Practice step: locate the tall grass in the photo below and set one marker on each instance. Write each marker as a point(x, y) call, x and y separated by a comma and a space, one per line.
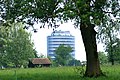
point(58, 73)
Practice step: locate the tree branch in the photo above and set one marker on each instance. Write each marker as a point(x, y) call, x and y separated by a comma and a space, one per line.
point(111, 11)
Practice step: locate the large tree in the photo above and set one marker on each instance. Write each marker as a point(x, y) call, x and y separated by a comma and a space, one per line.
point(85, 13)
point(19, 47)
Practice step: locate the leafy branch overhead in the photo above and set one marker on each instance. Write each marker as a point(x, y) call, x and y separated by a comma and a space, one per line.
point(29, 11)
point(51, 11)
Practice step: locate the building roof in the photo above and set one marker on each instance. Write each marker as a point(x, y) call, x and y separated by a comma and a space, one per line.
point(40, 61)
point(61, 33)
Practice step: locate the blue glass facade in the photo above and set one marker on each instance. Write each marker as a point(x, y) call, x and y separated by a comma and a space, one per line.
point(57, 38)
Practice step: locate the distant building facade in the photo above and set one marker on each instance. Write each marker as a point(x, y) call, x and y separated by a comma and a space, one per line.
point(57, 38)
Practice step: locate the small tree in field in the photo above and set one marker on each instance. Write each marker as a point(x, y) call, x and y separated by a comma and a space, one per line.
point(62, 55)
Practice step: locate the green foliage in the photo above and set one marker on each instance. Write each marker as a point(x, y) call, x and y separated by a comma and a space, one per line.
point(79, 70)
point(62, 55)
point(110, 26)
point(102, 13)
point(103, 57)
point(51, 11)
point(18, 46)
point(115, 50)
point(29, 11)
point(74, 62)
point(109, 30)
point(35, 53)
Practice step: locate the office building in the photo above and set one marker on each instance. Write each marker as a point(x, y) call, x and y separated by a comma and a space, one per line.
point(59, 37)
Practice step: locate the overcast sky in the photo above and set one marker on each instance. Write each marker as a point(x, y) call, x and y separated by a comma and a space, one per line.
point(40, 40)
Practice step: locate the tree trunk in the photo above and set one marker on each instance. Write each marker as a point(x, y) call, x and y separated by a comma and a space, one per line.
point(111, 49)
point(89, 40)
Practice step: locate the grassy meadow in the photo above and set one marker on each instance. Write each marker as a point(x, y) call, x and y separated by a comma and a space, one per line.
point(56, 73)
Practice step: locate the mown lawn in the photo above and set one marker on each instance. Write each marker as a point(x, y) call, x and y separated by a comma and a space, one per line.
point(58, 73)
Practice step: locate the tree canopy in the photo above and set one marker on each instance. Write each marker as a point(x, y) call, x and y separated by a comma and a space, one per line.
point(17, 48)
point(50, 11)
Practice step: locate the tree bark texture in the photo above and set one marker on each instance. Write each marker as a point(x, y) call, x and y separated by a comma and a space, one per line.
point(89, 39)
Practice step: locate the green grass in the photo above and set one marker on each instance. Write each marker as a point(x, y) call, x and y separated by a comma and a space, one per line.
point(58, 73)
